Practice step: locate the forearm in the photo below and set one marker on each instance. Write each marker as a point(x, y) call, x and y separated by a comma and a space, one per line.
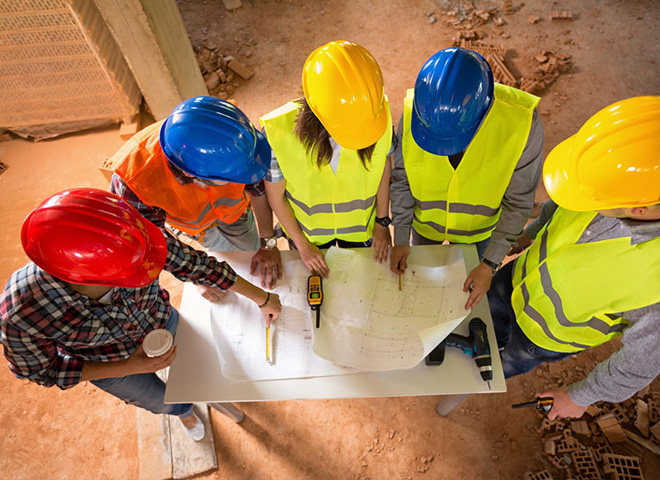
point(631, 368)
point(508, 228)
point(383, 194)
point(403, 203)
point(188, 264)
point(283, 211)
point(99, 370)
point(263, 214)
point(249, 290)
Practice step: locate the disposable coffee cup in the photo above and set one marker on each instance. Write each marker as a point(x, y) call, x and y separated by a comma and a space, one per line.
point(157, 342)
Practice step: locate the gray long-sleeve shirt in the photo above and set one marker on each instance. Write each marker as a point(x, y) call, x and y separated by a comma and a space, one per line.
point(517, 202)
point(636, 364)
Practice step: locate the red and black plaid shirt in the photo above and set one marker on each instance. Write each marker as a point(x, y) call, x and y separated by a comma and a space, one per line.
point(49, 330)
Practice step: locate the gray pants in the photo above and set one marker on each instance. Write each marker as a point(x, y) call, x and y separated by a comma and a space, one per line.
point(242, 235)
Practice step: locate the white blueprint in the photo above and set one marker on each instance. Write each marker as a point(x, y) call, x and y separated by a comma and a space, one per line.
point(369, 324)
point(366, 322)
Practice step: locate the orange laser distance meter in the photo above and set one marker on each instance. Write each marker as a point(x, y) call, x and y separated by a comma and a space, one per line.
point(315, 296)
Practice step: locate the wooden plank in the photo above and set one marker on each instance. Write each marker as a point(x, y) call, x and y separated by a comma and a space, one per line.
point(154, 449)
point(188, 456)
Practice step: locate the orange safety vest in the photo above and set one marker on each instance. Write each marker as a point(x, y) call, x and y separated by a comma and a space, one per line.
point(144, 167)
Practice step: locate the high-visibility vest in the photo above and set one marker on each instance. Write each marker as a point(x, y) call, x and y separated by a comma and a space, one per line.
point(463, 205)
point(327, 206)
point(142, 164)
point(567, 296)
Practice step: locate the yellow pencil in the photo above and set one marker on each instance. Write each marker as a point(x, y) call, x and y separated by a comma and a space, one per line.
point(268, 345)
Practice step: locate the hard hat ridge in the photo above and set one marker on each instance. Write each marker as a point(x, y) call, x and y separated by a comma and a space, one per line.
point(212, 139)
point(453, 94)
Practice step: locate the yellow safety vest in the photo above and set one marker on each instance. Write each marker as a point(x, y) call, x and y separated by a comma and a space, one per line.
point(567, 296)
point(463, 205)
point(326, 205)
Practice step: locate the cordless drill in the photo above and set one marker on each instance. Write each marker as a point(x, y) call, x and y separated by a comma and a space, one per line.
point(475, 345)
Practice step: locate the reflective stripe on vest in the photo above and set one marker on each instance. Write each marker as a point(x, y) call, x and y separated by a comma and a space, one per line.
point(463, 205)
point(189, 208)
point(326, 205)
point(597, 279)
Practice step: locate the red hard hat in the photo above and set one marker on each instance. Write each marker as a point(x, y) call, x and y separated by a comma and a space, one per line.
point(92, 237)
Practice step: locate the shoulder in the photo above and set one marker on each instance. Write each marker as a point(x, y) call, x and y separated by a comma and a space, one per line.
point(19, 292)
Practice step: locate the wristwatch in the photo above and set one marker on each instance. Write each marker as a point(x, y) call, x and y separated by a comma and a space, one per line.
point(493, 265)
point(384, 221)
point(269, 242)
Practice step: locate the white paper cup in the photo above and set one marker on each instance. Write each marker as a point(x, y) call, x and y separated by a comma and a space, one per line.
point(157, 342)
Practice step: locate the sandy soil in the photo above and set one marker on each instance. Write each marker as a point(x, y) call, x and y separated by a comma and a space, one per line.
point(83, 433)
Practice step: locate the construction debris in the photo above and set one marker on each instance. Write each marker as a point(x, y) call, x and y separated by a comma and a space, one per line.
point(624, 468)
point(220, 71)
point(501, 74)
point(507, 7)
point(585, 448)
point(550, 66)
point(561, 15)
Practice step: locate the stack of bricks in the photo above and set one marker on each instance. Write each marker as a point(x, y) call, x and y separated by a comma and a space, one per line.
point(598, 446)
point(501, 73)
point(561, 15)
point(221, 72)
point(550, 66)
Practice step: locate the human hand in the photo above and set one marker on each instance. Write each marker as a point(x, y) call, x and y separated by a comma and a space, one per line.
point(562, 406)
point(211, 294)
point(140, 362)
point(271, 311)
point(270, 263)
point(382, 241)
point(313, 259)
point(523, 242)
point(478, 283)
point(398, 259)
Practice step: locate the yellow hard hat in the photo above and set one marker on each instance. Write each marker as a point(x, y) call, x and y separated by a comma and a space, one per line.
point(343, 86)
point(612, 162)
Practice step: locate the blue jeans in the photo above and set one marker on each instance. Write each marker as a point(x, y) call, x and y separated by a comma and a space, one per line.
point(519, 354)
point(146, 390)
point(417, 239)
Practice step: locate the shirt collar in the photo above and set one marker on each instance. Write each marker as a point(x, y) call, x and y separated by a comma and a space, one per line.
point(641, 231)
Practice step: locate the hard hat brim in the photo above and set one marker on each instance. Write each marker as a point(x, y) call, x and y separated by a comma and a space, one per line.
point(365, 137)
point(561, 180)
point(440, 146)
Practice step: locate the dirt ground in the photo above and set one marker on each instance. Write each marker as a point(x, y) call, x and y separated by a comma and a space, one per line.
point(83, 433)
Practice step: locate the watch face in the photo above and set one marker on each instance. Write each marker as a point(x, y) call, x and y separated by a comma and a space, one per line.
point(270, 242)
point(385, 221)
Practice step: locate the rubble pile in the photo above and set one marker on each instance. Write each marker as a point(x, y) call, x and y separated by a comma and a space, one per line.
point(606, 444)
point(221, 73)
point(466, 19)
point(549, 66)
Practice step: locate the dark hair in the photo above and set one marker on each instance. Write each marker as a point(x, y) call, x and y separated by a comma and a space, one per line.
point(316, 139)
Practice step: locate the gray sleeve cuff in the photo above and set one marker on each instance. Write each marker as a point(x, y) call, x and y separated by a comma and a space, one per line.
point(402, 235)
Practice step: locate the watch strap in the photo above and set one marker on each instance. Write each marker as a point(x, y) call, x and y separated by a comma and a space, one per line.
point(493, 265)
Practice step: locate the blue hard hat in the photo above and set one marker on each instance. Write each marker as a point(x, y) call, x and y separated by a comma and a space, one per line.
point(212, 139)
point(453, 92)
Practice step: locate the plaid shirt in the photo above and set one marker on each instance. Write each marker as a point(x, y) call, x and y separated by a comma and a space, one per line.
point(49, 330)
point(157, 215)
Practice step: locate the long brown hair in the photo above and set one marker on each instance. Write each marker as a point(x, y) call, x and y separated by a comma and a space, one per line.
point(316, 139)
